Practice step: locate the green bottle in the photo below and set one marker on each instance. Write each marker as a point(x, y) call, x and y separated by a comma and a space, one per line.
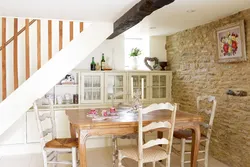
point(102, 62)
point(92, 65)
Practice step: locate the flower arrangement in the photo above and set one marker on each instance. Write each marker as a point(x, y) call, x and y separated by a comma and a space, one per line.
point(229, 44)
point(135, 52)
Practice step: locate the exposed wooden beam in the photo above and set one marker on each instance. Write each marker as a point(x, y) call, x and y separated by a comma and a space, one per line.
point(19, 32)
point(60, 35)
point(81, 26)
point(15, 49)
point(39, 63)
point(136, 14)
point(4, 92)
point(71, 29)
point(49, 39)
point(27, 48)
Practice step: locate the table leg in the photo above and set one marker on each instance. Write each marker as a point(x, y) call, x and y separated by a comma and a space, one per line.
point(159, 134)
point(72, 131)
point(82, 147)
point(195, 144)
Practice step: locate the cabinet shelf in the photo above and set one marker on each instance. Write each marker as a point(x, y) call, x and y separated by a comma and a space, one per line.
point(67, 85)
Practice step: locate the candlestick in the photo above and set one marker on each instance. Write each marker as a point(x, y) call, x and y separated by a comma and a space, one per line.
point(142, 88)
point(132, 88)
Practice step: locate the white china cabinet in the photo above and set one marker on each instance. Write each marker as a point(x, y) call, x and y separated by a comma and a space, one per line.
point(116, 86)
point(137, 83)
point(160, 86)
point(97, 87)
point(92, 87)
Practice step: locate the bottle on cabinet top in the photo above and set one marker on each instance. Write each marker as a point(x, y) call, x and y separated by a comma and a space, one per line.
point(97, 67)
point(92, 65)
point(103, 62)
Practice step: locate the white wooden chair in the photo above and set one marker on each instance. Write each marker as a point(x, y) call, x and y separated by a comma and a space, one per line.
point(184, 137)
point(52, 148)
point(151, 151)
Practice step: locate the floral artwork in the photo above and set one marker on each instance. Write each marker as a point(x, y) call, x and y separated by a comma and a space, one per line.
point(231, 43)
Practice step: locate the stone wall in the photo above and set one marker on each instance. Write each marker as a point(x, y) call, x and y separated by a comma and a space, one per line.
point(192, 58)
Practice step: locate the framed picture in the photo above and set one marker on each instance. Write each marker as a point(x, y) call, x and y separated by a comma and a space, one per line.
point(231, 43)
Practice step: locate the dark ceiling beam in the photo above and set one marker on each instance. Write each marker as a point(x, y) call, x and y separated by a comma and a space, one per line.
point(136, 14)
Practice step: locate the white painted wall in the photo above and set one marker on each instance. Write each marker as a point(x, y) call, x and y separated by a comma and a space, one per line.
point(114, 54)
point(157, 47)
point(116, 57)
point(1, 63)
point(17, 103)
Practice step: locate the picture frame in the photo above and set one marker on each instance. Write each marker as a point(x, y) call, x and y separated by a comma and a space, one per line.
point(231, 43)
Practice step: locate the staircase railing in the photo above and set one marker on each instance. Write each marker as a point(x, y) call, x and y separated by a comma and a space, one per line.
point(18, 33)
point(15, 77)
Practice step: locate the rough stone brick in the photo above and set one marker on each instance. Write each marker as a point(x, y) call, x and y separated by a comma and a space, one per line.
point(191, 55)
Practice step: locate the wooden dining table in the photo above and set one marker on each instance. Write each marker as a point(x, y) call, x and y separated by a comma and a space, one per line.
point(127, 123)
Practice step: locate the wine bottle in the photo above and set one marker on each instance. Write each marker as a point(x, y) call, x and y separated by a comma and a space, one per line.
point(92, 65)
point(102, 62)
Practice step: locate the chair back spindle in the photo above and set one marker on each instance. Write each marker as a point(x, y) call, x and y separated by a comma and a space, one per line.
point(40, 118)
point(210, 112)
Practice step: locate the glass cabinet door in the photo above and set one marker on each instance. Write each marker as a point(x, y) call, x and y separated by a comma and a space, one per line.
point(116, 86)
point(159, 86)
point(92, 88)
point(137, 84)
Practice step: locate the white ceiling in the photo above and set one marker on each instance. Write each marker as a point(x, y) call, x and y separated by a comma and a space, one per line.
point(174, 17)
point(85, 10)
point(168, 20)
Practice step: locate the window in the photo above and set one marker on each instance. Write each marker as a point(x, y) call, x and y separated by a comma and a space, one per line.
point(143, 45)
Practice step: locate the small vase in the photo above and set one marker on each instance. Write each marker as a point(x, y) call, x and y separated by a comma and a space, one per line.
point(134, 63)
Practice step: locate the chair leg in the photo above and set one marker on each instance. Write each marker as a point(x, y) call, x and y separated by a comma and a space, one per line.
point(183, 141)
point(45, 161)
point(74, 160)
point(206, 153)
point(56, 158)
point(140, 164)
point(115, 150)
point(153, 164)
point(168, 161)
point(120, 159)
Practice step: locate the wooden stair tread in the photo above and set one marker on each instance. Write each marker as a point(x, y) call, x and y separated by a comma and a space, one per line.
point(62, 143)
point(186, 134)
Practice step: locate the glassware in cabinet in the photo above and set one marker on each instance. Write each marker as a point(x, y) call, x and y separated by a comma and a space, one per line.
point(91, 89)
point(115, 87)
point(137, 84)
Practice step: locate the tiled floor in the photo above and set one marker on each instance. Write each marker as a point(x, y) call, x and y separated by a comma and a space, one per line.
point(100, 157)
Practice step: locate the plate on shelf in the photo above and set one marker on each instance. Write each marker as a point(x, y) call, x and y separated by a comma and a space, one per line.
point(68, 83)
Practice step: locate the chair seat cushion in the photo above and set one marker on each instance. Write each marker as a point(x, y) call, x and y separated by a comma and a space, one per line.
point(186, 134)
point(62, 143)
point(152, 154)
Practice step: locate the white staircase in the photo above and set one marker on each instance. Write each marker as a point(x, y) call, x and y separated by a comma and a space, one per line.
point(17, 103)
